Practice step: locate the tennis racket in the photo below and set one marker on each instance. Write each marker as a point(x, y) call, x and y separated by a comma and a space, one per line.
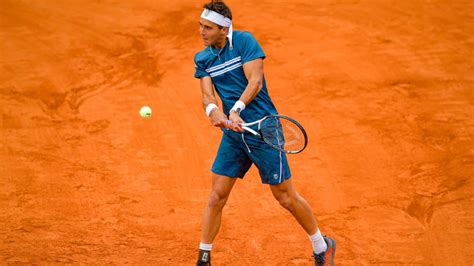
point(280, 132)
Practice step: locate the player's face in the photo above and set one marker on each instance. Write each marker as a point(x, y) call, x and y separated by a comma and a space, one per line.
point(210, 32)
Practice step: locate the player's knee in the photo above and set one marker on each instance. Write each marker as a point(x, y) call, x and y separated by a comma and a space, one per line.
point(216, 199)
point(286, 201)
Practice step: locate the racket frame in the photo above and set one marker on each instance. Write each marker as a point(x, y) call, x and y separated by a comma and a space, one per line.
point(258, 133)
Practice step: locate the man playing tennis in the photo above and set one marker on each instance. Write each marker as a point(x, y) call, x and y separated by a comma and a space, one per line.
point(232, 63)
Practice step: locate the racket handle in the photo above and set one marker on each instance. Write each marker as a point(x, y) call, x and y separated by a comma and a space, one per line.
point(230, 122)
point(243, 126)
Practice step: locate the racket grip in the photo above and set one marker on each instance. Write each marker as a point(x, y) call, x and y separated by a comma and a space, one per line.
point(229, 123)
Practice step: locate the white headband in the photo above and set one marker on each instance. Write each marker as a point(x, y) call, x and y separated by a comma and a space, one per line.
point(219, 20)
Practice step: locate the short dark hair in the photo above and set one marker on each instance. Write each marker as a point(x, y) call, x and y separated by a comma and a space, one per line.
point(219, 7)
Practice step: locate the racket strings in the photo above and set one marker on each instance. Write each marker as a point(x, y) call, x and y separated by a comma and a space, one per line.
point(283, 134)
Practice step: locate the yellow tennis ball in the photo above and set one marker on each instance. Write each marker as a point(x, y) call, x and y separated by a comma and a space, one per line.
point(145, 111)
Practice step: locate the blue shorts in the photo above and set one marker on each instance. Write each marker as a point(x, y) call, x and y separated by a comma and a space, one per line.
point(238, 151)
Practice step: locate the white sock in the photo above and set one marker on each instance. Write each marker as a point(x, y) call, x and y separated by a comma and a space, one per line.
point(206, 247)
point(319, 245)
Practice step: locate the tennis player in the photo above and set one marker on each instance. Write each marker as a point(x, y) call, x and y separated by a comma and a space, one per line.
point(232, 64)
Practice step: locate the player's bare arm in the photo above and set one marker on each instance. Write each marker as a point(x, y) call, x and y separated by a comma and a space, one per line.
point(217, 117)
point(254, 73)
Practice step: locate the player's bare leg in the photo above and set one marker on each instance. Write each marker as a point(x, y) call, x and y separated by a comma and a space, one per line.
point(211, 220)
point(289, 199)
point(323, 246)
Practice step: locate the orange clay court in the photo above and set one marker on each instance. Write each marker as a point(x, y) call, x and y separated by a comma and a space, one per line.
point(383, 88)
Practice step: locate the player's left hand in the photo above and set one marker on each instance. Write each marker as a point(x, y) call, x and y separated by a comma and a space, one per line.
point(236, 122)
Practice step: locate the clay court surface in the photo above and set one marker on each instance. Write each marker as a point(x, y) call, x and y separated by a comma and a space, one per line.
point(384, 89)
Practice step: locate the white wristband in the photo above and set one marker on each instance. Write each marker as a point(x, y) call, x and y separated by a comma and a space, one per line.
point(238, 107)
point(209, 108)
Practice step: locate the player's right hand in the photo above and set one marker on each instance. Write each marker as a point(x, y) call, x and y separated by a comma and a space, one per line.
point(219, 119)
point(234, 117)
